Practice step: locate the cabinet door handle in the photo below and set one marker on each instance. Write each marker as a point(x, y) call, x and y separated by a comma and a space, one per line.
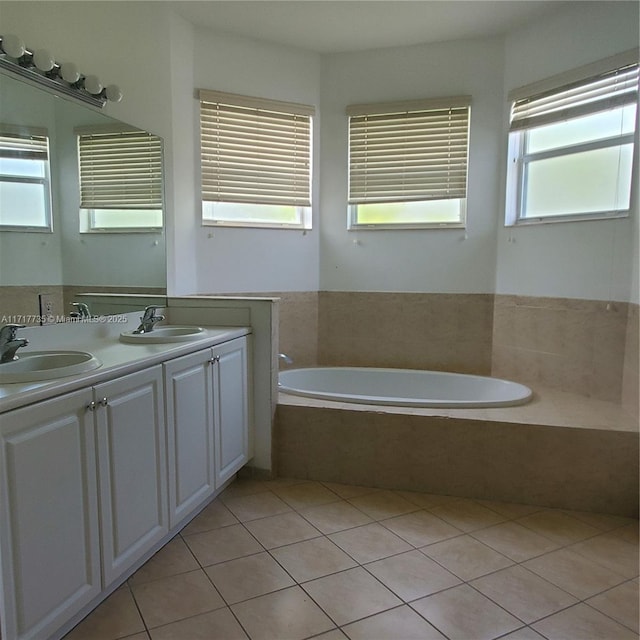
point(215, 359)
point(104, 402)
point(91, 406)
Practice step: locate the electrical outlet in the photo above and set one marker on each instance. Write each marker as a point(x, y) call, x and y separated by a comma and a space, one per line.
point(46, 308)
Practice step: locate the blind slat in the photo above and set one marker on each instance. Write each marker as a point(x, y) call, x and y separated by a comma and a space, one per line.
point(591, 95)
point(408, 156)
point(254, 151)
point(120, 170)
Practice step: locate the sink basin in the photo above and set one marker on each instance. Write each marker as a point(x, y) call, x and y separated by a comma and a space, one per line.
point(33, 366)
point(163, 334)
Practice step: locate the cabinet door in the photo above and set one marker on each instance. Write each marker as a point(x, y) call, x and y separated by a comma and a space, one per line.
point(49, 515)
point(131, 468)
point(231, 408)
point(188, 398)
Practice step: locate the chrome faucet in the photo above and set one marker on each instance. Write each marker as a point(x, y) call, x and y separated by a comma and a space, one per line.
point(81, 310)
point(285, 358)
point(10, 343)
point(148, 319)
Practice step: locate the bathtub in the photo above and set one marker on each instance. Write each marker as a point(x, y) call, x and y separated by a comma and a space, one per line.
point(402, 387)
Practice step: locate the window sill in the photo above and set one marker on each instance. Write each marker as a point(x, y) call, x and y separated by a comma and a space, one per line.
point(528, 222)
point(254, 225)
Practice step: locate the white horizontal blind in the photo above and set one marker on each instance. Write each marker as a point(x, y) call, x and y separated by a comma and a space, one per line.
point(604, 91)
point(120, 170)
point(255, 151)
point(408, 151)
point(23, 143)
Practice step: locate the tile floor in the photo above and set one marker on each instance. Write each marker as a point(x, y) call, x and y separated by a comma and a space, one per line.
point(290, 559)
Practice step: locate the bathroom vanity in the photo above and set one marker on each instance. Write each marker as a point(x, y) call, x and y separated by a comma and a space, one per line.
point(99, 470)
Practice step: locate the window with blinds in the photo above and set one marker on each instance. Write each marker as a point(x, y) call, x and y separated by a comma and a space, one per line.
point(408, 163)
point(121, 185)
point(571, 144)
point(25, 188)
point(255, 161)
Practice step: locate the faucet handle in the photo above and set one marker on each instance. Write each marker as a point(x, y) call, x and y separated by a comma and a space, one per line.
point(11, 330)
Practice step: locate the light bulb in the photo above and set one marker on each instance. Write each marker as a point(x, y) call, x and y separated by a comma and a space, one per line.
point(43, 60)
point(13, 46)
point(69, 72)
point(113, 93)
point(92, 84)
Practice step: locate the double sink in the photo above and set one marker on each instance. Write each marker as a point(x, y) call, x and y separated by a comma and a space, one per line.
point(36, 366)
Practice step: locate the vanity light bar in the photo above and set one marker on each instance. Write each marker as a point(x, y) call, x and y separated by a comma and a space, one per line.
point(38, 66)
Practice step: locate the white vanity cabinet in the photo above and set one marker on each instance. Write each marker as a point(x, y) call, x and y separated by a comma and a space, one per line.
point(130, 437)
point(49, 515)
point(207, 423)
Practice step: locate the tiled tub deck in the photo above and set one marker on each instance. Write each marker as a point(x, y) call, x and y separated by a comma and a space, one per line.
point(561, 450)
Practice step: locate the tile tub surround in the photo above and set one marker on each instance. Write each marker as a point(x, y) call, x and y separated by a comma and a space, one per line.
point(365, 563)
point(535, 454)
point(582, 346)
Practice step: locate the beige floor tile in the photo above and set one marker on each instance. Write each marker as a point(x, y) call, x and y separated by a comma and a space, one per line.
point(602, 521)
point(412, 575)
point(610, 551)
point(467, 557)
point(280, 530)
point(574, 573)
point(582, 621)
point(289, 614)
point(401, 623)
point(629, 533)
point(425, 500)
point(383, 504)
point(421, 528)
point(335, 516)
point(248, 577)
point(213, 516)
point(307, 494)
point(348, 490)
point(515, 541)
point(620, 603)
point(242, 487)
point(116, 617)
point(216, 624)
point(369, 542)
point(558, 526)
point(351, 595)
point(176, 597)
point(510, 510)
point(467, 515)
point(526, 633)
point(462, 612)
point(312, 559)
point(259, 505)
point(220, 545)
point(138, 636)
point(523, 593)
point(336, 634)
point(172, 559)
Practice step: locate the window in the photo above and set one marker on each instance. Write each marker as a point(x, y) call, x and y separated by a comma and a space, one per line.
point(120, 180)
point(25, 190)
point(408, 163)
point(571, 145)
point(256, 161)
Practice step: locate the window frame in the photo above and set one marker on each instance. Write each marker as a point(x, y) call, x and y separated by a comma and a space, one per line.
point(407, 110)
point(25, 133)
point(299, 198)
point(519, 159)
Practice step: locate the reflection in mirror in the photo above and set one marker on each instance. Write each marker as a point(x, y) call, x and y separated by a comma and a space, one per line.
point(53, 246)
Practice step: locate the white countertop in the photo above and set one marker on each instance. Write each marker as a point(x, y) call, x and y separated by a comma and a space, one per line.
point(117, 359)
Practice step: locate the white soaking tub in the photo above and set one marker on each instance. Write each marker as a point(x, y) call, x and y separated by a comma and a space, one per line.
point(402, 387)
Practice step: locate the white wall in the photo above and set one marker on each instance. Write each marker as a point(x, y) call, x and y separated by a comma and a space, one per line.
point(595, 260)
point(439, 260)
point(248, 260)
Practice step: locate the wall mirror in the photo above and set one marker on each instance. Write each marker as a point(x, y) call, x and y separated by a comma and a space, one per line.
point(43, 268)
